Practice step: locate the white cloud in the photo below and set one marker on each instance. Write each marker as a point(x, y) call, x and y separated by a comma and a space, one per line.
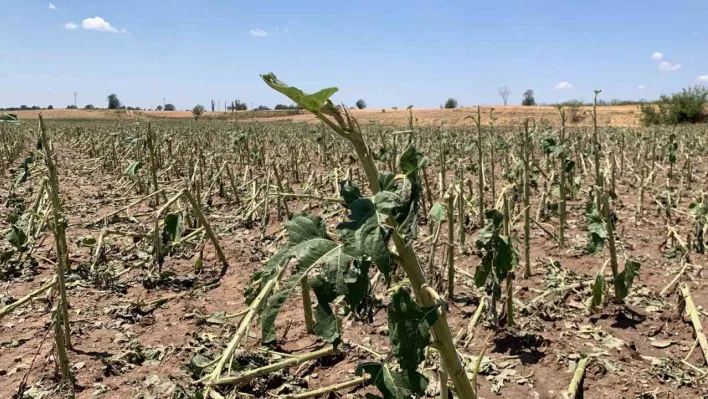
point(99, 24)
point(666, 66)
point(702, 78)
point(52, 6)
point(258, 32)
point(641, 87)
point(70, 25)
point(657, 56)
point(563, 86)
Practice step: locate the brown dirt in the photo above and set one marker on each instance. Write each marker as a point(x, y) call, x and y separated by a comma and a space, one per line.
point(507, 115)
point(175, 326)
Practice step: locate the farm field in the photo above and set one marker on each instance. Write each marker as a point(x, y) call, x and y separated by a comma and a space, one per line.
point(625, 115)
point(524, 256)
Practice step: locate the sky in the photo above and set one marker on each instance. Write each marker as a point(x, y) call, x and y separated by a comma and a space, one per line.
point(389, 53)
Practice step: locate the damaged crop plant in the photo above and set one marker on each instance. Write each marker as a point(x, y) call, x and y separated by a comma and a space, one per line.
point(467, 257)
point(340, 268)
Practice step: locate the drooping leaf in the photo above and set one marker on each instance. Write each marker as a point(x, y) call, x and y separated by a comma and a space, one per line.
point(409, 329)
point(438, 212)
point(16, 237)
point(312, 246)
point(406, 384)
point(411, 160)
point(597, 231)
point(598, 292)
point(275, 303)
point(326, 324)
point(386, 181)
point(625, 279)
point(499, 254)
point(568, 165)
point(350, 192)
point(173, 226)
point(23, 172)
point(133, 168)
point(367, 230)
point(311, 102)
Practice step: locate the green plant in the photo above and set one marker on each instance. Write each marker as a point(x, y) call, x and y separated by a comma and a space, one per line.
point(688, 106)
point(390, 214)
point(499, 259)
point(360, 104)
point(451, 103)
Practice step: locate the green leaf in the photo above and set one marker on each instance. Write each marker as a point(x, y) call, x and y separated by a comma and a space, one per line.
point(568, 165)
point(392, 384)
point(386, 181)
point(409, 329)
point(350, 193)
point(367, 231)
point(438, 212)
point(173, 226)
point(275, 303)
point(310, 244)
point(598, 292)
point(24, 172)
point(326, 323)
point(16, 237)
point(411, 160)
point(311, 102)
point(133, 168)
point(597, 232)
point(625, 279)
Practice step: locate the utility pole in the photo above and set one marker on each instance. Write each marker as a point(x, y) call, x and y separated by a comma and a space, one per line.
point(163, 103)
point(74, 99)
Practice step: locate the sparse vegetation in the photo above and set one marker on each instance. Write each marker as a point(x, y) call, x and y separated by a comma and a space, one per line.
point(688, 106)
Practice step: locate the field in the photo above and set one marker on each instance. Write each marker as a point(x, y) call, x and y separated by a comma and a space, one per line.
point(513, 257)
point(627, 115)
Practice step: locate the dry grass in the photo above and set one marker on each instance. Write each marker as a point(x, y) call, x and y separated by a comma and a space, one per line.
point(506, 115)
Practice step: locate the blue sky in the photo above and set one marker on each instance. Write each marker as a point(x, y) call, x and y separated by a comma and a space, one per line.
point(390, 53)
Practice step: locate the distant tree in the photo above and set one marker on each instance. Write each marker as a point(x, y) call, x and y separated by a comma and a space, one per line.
point(159, 108)
point(113, 101)
point(263, 108)
point(169, 107)
point(213, 105)
point(72, 106)
point(237, 105)
point(361, 104)
point(451, 103)
point(529, 99)
point(24, 107)
point(283, 106)
point(50, 106)
point(89, 106)
point(197, 111)
point(504, 93)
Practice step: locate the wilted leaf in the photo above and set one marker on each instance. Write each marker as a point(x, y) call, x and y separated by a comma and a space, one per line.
point(393, 384)
point(409, 329)
point(625, 279)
